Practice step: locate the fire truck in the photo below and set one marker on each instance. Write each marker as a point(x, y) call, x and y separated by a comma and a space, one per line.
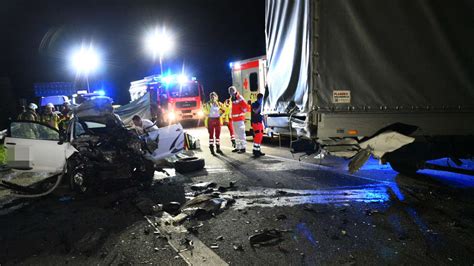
point(173, 98)
point(249, 77)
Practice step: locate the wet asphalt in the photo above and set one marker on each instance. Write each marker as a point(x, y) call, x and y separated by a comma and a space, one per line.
point(324, 215)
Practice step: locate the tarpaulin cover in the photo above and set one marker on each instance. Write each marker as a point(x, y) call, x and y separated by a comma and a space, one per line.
point(95, 107)
point(370, 53)
point(140, 107)
point(288, 53)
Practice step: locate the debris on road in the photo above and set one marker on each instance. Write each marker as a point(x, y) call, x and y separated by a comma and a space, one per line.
point(172, 207)
point(145, 205)
point(281, 217)
point(266, 238)
point(219, 238)
point(238, 247)
point(179, 218)
point(203, 186)
point(206, 203)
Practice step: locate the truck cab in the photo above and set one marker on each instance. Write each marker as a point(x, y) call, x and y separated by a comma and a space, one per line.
point(177, 97)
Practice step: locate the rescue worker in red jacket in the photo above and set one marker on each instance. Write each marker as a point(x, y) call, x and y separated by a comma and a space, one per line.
point(213, 110)
point(239, 108)
point(257, 125)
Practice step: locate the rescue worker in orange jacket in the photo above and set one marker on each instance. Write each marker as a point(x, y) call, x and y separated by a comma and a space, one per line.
point(213, 110)
point(239, 109)
point(227, 120)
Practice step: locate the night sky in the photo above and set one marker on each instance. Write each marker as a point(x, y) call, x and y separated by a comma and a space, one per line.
point(38, 36)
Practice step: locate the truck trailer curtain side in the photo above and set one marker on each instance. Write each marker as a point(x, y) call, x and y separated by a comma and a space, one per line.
point(389, 56)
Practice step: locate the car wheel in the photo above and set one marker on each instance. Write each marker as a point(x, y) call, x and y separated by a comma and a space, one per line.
point(77, 180)
point(190, 164)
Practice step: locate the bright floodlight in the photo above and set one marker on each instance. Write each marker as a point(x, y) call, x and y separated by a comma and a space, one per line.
point(158, 42)
point(182, 79)
point(85, 60)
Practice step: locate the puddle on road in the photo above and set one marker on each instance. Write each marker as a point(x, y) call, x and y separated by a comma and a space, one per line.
point(268, 197)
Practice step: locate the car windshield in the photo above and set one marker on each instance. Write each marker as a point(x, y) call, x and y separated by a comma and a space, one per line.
point(181, 91)
point(33, 130)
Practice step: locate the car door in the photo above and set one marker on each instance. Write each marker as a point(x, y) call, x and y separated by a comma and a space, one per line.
point(170, 141)
point(36, 147)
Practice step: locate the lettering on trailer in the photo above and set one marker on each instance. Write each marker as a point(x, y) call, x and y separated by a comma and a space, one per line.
point(341, 96)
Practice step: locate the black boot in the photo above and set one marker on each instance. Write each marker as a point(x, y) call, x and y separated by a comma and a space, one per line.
point(257, 153)
point(211, 147)
point(218, 149)
point(233, 143)
point(241, 151)
point(235, 149)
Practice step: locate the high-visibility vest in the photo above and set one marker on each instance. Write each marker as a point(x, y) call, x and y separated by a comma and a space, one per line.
point(207, 109)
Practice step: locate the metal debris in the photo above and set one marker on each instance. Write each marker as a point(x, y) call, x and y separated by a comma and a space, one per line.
point(267, 237)
point(238, 247)
point(203, 186)
point(171, 207)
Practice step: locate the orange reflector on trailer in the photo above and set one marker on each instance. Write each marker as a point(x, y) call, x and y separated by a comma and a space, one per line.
point(352, 132)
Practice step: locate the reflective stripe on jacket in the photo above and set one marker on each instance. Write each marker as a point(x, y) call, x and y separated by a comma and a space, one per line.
point(239, 108)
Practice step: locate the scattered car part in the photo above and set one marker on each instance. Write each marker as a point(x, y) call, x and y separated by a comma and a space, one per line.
point(190, 164)
point(203, 185)
point(266, 238)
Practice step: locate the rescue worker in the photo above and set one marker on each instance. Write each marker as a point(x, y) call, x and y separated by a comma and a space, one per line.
point(29, 114)
point(213, 110)
point(257, 125)
point(227, 120)
point(239, 109)
point(49, 117)
point(65, 116)
point(143, 125)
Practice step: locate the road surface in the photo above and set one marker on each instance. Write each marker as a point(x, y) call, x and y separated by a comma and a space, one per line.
point(311, 211)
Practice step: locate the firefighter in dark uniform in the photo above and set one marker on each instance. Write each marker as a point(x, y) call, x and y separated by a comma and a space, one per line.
point(257, 125)
point(29, 114)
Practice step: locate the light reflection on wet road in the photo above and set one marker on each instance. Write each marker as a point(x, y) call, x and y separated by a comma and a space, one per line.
point(266, 197)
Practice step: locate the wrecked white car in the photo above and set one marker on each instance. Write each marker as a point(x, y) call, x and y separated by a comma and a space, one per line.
point(95, 148)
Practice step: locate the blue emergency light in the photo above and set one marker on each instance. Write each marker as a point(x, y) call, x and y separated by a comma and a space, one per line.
point(100, 92)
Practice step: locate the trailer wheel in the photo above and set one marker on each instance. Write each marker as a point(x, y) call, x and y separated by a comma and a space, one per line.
point(405, 167)
point(191, 164)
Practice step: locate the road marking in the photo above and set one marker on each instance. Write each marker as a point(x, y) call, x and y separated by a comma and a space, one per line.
point(196, 253)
